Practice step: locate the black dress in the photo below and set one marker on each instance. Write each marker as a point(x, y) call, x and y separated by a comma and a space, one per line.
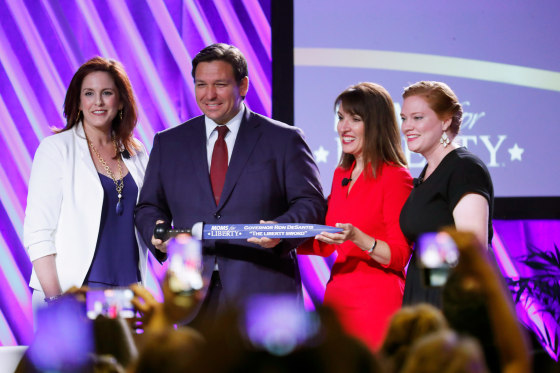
point(430, 208)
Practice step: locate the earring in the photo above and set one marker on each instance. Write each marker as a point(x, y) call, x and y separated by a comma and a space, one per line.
point(120, 114)
point(78, 116)
point(444, 140)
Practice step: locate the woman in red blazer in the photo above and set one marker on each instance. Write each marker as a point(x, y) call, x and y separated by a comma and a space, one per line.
point(370, 186)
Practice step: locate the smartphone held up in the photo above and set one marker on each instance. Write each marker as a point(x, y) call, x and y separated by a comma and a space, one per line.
point(110, 302)
point(185, 264)
point(437, 254)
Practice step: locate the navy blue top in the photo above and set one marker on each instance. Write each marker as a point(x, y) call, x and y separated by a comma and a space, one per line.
point(115, 262)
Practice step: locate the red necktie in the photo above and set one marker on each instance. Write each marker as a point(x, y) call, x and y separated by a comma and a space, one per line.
point(219, 165)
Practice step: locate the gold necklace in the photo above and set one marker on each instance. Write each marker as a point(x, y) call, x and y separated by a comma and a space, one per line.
point(119, 183)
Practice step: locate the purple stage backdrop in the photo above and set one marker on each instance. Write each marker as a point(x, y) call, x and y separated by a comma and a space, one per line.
point(43, 42)
point(500, 57)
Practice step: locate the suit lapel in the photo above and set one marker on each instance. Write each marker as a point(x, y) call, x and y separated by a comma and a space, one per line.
point(247, 138)
point(196, 146)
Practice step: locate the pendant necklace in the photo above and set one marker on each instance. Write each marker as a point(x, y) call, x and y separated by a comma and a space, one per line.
point(119, 183)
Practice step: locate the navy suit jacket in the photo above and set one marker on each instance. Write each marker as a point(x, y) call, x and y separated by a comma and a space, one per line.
point(271, 176)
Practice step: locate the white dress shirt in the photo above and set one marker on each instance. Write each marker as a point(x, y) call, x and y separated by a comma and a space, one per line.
point(212, 134)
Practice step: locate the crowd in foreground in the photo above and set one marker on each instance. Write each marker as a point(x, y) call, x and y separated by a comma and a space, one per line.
point(476, 331)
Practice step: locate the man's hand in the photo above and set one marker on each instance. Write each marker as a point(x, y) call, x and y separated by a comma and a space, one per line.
point(267, 243)
point(159, 244)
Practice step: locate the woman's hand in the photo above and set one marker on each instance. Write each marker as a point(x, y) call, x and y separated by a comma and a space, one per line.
point(348, 233)
point(381, 252)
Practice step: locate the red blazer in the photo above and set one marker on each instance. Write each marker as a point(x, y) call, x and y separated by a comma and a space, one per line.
point(365, 293)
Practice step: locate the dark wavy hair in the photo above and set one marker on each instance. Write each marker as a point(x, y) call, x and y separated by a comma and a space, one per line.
point(382, 140)
point(441, 99)
point(122, 128)
point(223, 52)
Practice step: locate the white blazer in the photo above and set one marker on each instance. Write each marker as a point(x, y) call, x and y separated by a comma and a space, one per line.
point(64, 204)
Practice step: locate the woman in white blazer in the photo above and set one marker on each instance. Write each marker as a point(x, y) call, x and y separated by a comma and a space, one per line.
point(84, 184)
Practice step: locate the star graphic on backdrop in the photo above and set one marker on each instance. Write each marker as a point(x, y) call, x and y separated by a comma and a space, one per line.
point(321, 154)
point(515, 152)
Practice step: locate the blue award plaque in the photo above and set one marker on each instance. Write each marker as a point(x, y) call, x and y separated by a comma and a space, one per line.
point(203, 231)
point(273, 230)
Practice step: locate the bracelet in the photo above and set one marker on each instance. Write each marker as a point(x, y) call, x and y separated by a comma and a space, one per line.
point(370, 250)
point(50, 300)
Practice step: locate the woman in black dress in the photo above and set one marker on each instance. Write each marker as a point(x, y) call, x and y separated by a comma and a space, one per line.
point(453, 189)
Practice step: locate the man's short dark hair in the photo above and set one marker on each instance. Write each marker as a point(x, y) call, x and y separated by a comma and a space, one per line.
point(223, 52)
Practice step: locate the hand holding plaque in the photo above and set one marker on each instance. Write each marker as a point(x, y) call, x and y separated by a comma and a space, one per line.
point(244, 231)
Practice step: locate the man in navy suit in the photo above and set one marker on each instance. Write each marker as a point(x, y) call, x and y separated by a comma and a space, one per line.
point(271, 176)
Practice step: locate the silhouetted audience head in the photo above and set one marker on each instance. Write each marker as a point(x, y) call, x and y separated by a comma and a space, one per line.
point(105, 364)
point(113, 338)
point(464, 306)
point(338, 351)
point(330, 349)
point(171, 351)
point(445, 352)
point(407, 326)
